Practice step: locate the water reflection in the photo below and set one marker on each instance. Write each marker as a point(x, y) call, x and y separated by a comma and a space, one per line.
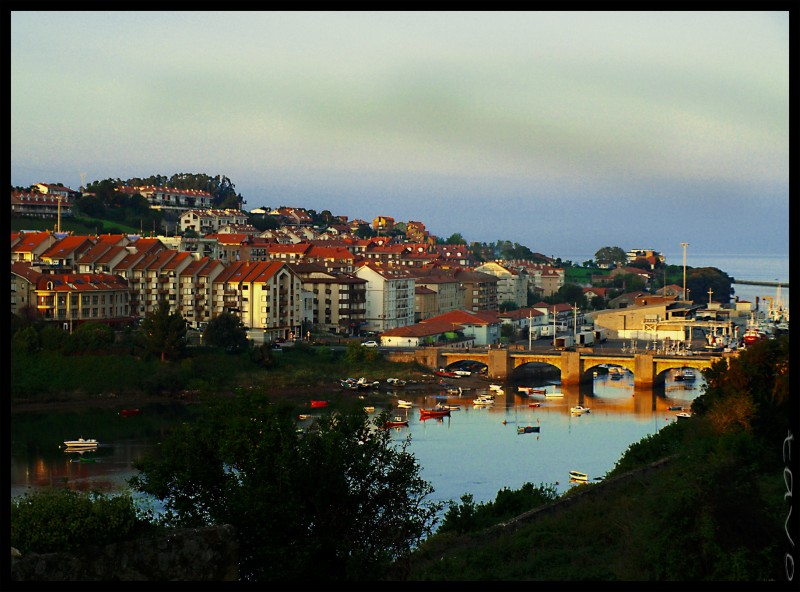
point(476, 449)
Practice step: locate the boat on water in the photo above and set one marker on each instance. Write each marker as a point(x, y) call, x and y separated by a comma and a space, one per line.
point(316, 404)
point(130, 412)
point(578, 477)
point(304, 416)
point(683, 415)
point(534, 404)
point(554, 394)
point(482, 400)
point(685, 375)
point(404, 404)
point(675, 408)
point(528, 429)
point(454, 407)
point(753, 333)
point(81, 443)
point(398, 382)
point(396, 422)
point(428, 413)
point(579, 409)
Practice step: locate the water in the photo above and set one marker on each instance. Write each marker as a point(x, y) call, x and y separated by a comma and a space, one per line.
point(752, 267)
point(472, 451)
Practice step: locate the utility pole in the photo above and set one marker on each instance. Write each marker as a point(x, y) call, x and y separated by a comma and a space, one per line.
point(684, 245)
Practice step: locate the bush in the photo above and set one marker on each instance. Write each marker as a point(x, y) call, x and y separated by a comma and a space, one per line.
point(52, 520)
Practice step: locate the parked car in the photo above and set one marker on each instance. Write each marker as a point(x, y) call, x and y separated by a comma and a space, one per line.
point(370, 343)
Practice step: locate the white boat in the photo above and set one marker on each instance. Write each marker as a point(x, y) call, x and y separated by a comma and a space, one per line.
point(683, 415)
point(554, 394)
point(404, 404)
point(578, 409)
point(496, 387)
point(483, 401)
point(81, 443)
point(578, 476)
point(685, 375)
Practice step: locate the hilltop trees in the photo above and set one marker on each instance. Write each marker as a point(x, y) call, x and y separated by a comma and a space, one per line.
point(610, 256)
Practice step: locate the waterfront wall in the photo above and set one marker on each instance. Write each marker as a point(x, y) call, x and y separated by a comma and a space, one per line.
point(192, 554)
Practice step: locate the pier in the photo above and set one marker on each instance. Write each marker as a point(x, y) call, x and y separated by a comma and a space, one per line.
point(760, 283)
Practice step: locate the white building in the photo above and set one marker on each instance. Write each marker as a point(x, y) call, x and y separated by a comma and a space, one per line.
point(390, 297)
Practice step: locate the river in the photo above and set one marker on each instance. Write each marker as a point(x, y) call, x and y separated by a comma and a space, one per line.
point(476, 450)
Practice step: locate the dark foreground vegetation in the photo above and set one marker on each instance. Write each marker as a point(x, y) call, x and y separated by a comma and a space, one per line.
point(336, 502)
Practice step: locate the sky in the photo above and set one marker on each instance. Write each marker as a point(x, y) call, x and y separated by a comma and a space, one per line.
point(562, 131)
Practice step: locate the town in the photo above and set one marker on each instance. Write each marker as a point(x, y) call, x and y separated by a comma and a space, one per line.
point(389, 282)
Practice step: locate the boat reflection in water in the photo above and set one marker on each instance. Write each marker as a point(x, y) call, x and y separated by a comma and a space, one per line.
point(475, 450)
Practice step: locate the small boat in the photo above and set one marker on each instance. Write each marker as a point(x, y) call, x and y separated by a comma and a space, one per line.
point(578, 476)
point(685, 375)
point(579, 409)
point(130, 412)
point(534, 404)
point(675, 408)
point(683, 415)
point(369, 409)
point(396, 422)
point(446, 374)
point(398, 382)
point(404, 404)
point(483, 401)
point(496, 387)
point(554, 394)
point(84, 459)
point(426, 413)
point(317, 404)
point(304, 416)
point(81, 443)
point(528, 429)
point(615, 372)
point(451, 407)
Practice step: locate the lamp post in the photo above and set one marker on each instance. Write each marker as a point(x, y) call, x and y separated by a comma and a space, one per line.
point(684, 245)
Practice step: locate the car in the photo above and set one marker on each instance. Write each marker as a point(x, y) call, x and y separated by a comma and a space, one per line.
point(370, 343)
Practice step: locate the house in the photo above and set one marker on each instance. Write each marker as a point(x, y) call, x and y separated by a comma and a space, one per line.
point(525, 321)
point(479, 328)
point(433, 332)
point(479, 290)
point(205, 222)
point(448, 293)
point(593, 292)
point(170, 198)
point(40, 205)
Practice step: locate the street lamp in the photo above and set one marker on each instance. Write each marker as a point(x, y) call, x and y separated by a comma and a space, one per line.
point(684, 245)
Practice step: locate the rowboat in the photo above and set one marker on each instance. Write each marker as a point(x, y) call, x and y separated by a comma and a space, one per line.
point(317, 404)
point(534, 404)
point(304, 416)
point(404, 404)
point(81, 443)
point(528, 429)
point(426, 413)
point(396, 422)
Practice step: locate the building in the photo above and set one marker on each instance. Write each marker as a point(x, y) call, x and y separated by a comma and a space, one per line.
point(338, 300)
point(390, 297)
point(512, 284)
point(170, 198)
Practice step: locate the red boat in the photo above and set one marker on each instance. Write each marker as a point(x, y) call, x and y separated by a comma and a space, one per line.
point(396, 423)
point(446, 374)
point(318, 404)
point(426, 413)
point(130, 412)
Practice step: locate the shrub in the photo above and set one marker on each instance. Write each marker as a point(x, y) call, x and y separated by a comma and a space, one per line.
point(52, 520)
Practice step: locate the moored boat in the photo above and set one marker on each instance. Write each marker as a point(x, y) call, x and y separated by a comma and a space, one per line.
point(554, 394)
point(315, 404)
point(578, 476)
point(579, 409)
point(81, 443)
point(130, 412)
point(396, 422)
point(426, 413)
point(528, 429)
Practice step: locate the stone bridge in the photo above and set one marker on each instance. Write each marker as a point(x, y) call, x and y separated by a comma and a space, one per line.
point(648, 369)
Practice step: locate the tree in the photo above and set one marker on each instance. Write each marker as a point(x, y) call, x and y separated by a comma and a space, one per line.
point(164, 332)
point(610, 256)
point(226, 330)
point(338, 501)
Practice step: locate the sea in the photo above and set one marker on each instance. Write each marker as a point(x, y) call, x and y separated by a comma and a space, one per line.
point(746, 266)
